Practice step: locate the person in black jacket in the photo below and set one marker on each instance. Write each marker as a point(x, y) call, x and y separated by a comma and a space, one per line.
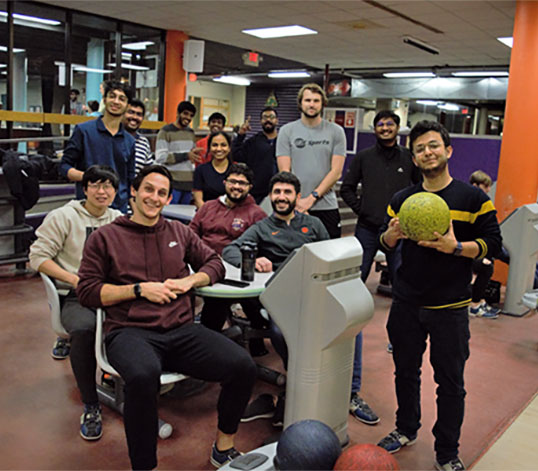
point(431, 294)
point(258, 152)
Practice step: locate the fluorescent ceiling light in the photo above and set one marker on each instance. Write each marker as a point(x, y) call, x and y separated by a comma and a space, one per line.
point(232, 80)
point(408, 74)
point(481, 73)
point(506, 40)
point(427, 102)
point(279, 31)
point(33, 19)
point(448, 107)
point(83, 68)
point(289, 74)
point(15, 49)
point(139, 46)
point(130, 66)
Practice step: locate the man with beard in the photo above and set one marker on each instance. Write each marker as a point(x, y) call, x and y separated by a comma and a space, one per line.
point(132, 119)
point(431, 294)
point(103, 141)
point(219, 222)
point(175, 149)
point(216, 123)
point(382, 170)
point(315, 150)
point(258, 152)
point(276, 237)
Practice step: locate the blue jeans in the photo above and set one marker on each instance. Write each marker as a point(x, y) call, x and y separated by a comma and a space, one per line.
point(181, 197)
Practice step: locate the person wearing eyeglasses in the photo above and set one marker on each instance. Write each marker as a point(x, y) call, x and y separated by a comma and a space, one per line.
point(218, 223)
point(381, 171)
point(57, 252)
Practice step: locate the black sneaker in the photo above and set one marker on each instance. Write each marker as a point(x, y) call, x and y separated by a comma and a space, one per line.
point(61, 349)
point(263, 407)
point(220, 458)
point(278, 418)
point(91, 427)
point(453, 465)
point(362, 411)
point(395, 440)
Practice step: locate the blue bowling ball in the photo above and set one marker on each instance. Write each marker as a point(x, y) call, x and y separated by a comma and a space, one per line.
point(307, 444)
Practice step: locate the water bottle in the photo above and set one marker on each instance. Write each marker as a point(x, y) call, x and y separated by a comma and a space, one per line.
point(248, 261)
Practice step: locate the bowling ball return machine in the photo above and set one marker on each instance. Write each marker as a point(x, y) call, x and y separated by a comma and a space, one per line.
point(320, 304)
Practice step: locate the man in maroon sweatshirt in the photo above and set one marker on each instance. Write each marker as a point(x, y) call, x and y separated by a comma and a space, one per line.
point(219, 222)
point(138, 269)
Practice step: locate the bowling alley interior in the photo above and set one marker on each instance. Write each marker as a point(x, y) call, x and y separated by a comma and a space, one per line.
point(468, 66)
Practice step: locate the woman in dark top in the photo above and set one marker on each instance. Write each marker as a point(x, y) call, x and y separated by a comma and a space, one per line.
point(208, 181)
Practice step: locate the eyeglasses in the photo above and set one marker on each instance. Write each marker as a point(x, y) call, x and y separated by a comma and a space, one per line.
point(421, 148)
point(107, 186)
point(389, 124)
point(241, 183)
point(268, 116)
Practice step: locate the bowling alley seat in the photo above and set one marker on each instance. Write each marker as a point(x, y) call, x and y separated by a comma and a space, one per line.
point(112, 398)
point(116, 398)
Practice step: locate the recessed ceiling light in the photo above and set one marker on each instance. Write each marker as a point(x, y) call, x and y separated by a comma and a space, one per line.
point(129, 66)
point(33, 19)
point(506, 40)
point(139, 46)
point(481, 73)
point(427, 102)
point(448, 107)
point(83, 68)
point(289, 74)
point(15, 49)
point(232, 80)
point(408, 74)
point(279, 31)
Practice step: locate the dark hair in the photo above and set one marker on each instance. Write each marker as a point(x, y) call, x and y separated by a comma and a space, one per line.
point(383, 114)
point(100, 173)
point(422, 127)
point(75, 91)
point(285, 177)
point(314, 88)
point(213, 135)
point(138, 104)
point(268, 108)
point(155, 168)
point(111, 85)
point(479, 177)
point(93, 105)
point(239, 168)
point(217, 115)
point(186, 106)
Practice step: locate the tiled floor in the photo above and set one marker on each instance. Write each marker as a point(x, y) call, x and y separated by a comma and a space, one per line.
point(40, 406)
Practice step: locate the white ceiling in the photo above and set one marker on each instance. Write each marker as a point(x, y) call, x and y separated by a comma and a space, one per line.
point(467, 37)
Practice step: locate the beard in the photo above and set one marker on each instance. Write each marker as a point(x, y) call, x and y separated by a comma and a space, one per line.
point(268, 127)
point(311, 114)
point(433, 172)
point(284, 212)
point(237, 199)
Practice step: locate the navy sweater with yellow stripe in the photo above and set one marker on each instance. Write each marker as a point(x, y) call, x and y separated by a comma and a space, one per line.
point(433, 279)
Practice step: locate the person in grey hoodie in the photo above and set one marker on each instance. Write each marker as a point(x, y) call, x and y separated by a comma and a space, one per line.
point(57, 252)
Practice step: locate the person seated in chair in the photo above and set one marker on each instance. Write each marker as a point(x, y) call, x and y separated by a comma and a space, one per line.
point(276, 237)
point(138, 268)
point(218, 222)
point(57, 252)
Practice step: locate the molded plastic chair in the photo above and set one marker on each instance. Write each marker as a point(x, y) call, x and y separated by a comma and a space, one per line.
point(53, 298)
point(116, 399)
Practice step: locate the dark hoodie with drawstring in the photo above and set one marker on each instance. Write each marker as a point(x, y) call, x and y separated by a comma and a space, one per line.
point(125, 252)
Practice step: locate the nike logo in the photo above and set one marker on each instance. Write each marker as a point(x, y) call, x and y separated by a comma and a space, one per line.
point(275, 232)
point(400, 170)
point(172, 244)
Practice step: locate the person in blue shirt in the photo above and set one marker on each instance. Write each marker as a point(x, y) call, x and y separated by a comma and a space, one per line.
point(103, 141)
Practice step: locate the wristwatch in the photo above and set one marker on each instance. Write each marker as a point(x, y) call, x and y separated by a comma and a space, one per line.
point(137, 290)
point(315, 194)
point(458, 250)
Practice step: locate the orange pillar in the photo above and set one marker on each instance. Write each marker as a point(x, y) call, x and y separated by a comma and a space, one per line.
point(517, 181)
point(175, 78)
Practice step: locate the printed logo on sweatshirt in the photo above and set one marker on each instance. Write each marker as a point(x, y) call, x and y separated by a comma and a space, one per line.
point(400, 170)
point(301, 143)
point(172, 244)
point(304, 230)
point(238, 224)
point(275, 232)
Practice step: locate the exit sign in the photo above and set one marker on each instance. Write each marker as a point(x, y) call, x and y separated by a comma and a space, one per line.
point(252, 58)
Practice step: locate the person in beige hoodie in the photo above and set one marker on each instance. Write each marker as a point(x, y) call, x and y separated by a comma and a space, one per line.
point(57, 252)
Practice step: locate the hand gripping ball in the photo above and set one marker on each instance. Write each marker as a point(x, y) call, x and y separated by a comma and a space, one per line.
point(422, 214)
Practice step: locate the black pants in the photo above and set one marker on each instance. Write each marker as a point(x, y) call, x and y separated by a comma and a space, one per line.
point(139, 356)
point(408, 327)
point(216, 310)
point(483, 275)
point(331, 220)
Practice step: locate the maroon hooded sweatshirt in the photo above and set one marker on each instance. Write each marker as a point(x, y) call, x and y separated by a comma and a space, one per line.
point(125, 252)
